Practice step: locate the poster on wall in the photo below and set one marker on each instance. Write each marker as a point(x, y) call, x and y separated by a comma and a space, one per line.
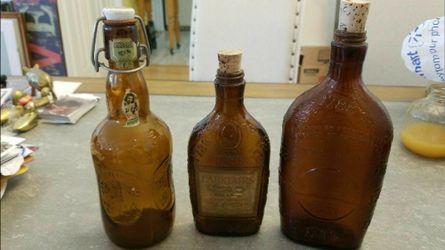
point(43, 33)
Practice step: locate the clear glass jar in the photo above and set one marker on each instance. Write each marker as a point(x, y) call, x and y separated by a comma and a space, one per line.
point(424, 130)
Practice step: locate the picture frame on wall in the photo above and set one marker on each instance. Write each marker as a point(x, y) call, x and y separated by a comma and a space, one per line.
point(43, 34)
point(14, 49)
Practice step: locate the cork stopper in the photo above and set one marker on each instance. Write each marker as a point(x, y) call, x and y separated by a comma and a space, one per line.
point(229, 61)
point(118, 14)
point(353, 15)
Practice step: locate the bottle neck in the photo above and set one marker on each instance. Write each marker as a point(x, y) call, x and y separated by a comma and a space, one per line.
point(348, 51)
point(127, 96)
point(229, 90)
point(121, 40)
point(127, 93)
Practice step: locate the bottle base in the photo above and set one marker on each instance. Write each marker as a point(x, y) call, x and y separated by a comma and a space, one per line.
point(132, 245)
point(152, 227)
point(321, 235)
point(227, 227)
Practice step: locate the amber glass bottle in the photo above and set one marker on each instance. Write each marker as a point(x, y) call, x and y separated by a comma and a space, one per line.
point(131, 147)
point(335, 146)
point(228, 160)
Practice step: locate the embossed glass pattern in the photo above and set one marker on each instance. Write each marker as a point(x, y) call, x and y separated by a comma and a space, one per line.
point(335, 146)
point(228, 164)
point(131, 150)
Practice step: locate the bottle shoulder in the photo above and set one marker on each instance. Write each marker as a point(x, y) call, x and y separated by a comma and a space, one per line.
point(221, 133)
point(216, 121)
point(151, 130)
point(229, 143)
point(324, 104)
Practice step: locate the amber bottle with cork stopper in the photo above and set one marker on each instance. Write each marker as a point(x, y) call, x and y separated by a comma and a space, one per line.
point(335, 146)
point(131, 147)
point(228, 159)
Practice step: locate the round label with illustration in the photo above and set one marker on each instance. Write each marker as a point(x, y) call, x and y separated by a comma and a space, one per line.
point(130, 107)
point(120, 194)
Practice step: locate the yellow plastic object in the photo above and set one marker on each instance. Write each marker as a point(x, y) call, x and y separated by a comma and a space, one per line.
point(426, 139)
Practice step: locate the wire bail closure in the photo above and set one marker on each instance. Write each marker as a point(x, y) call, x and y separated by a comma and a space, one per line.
point(143, 48)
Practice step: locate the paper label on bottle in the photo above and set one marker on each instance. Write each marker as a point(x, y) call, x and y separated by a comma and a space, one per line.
point(123, 51)
point(423, 50)
point(130, 107)
point(228, 192)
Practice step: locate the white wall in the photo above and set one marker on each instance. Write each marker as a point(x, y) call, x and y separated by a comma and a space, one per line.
point(318, 17)
point(389, 22)
point(262, 29)
point(76, 23)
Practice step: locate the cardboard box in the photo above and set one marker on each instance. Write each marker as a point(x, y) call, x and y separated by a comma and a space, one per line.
point(315, 55)
point(314, 64)
point(312, 73)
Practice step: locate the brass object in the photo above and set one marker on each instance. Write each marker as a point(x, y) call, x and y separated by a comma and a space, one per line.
point(26, 122)
point(5, 115)
point(40, 102)
point(30, 106)
point(45, 91)
point(40, 80)
point(19, 110)
point(26, 105)
point(16, 95)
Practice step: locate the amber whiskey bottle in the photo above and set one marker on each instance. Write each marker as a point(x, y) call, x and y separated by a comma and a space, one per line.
point(131, 147)
point(335, 146)
point(228, 159)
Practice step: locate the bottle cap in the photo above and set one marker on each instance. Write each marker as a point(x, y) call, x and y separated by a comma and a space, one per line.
point(353, 15)
point(229, 61)
point(117, 14)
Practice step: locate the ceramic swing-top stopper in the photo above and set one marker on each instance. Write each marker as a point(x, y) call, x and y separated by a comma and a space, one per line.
point(229, 61)
point(117, 14)
point(353, 15)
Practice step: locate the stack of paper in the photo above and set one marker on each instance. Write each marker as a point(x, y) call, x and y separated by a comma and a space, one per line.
point(68, 109)
point(14, 155)
point(5, 96)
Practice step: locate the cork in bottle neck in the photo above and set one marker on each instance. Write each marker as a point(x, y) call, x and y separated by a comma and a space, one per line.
point(349, 42)
point(348, 49)
point(353, 15)
point(229, 62)
point(229, 82)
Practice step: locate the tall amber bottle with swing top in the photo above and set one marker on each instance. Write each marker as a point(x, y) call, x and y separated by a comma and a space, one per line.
point(228, 159)
point(131, 147)
point(335, 146)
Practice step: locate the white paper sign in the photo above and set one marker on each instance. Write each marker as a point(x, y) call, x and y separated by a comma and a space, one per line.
point(423, 50)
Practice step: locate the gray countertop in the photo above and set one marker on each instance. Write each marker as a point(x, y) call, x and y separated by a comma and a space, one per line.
point(55, 205)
